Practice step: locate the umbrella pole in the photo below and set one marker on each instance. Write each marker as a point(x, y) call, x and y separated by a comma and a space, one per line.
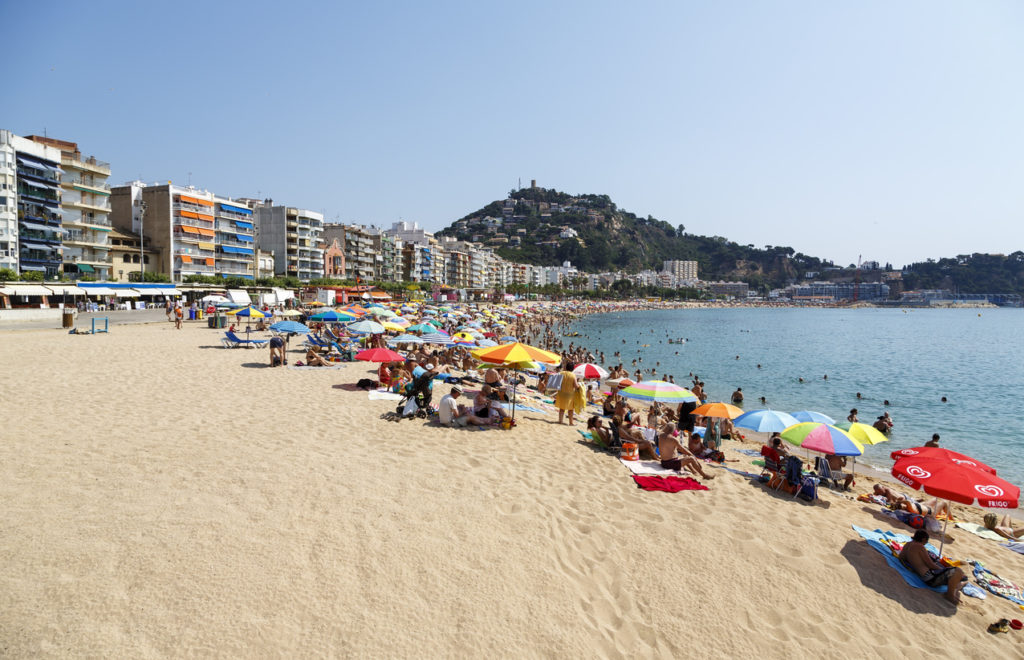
point(945, 524)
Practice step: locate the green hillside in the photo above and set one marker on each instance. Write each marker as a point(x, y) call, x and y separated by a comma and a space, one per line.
point(610, 239)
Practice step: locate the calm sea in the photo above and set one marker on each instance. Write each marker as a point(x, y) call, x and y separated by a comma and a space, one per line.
point(912, 358)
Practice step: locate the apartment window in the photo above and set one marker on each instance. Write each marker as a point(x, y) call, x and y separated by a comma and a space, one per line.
point(127, 259)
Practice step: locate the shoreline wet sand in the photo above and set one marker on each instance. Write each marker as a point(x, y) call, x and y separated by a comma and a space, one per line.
point(165, 496)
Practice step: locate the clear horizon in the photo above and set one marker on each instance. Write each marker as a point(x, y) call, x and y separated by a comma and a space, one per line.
point(880, 130)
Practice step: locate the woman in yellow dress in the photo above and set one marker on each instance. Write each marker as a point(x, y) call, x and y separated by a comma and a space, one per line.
point(570, 397)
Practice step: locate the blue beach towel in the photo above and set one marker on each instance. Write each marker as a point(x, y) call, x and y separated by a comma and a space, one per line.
point(750, 452)
point(875, 540)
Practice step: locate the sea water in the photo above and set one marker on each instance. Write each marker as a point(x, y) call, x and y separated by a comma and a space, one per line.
point(912, 358)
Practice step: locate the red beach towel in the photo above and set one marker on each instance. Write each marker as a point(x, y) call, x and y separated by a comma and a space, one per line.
point(668, 484)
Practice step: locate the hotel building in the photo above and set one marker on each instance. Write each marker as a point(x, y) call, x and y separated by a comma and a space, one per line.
point(194, 231)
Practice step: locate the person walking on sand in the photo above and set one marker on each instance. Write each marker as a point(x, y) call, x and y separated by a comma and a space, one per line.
point(177, 316)
point(565, 400)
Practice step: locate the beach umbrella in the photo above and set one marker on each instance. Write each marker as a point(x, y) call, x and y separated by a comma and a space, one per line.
point(291, 312)
point(388, 325)
point(332, 316)
point(293, 327)
point(939, 452)
point(658, 390)
point(380, 355)
point(766, 421)
point(590, 371)
point(421, 327)
point(366, 327)
point(249, 311)
point(718, 409)
point(214, 298)
point(463, 338)
point(486, 343)
point(957, 480)
point(316, 303)
point(865, 434)
point(823, 438)
point(433, 322)
point(508, 338)
point(623, 382)
point(406, 339)
point(811, 416)
point(516, 352)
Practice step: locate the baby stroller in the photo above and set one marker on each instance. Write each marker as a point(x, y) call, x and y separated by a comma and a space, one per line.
point(416, 398)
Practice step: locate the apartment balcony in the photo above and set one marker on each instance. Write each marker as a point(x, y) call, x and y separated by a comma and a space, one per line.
point(101, 206)
point(90, 163)
point(230, 269)
point(83, 186)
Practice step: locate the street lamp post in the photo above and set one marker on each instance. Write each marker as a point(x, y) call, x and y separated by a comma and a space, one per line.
point(142, 248)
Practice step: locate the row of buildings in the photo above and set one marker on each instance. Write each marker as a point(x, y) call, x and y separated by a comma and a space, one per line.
point(60, 216)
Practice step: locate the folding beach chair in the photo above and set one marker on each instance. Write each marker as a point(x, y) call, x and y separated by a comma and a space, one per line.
point(821, 467)
point(231, 340)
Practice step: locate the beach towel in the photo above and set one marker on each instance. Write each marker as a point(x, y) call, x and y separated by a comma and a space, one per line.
point(668, 484)
point(648, 467)
point(980, 530)
point(882, 541)
point(996, 584)
point(382, 395)
point(1016, 546)
point(306, 366)
point(750, 452)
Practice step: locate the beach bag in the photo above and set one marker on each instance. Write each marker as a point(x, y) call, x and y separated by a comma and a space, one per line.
point(630, 452)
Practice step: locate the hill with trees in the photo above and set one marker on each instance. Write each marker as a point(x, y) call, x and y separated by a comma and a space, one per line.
point(546, 227)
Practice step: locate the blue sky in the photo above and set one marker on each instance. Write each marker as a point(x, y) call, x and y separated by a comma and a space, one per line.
point(891, 130)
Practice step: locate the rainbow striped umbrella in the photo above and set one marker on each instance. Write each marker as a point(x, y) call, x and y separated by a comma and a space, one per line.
point(823, 438)
point(516, 352)
point(658, 390)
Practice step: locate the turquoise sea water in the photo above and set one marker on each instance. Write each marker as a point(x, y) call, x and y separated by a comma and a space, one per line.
point(973, 357)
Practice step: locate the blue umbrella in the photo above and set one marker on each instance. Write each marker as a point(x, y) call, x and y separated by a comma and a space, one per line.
point(406, 339)
point(765, 421)
point(811, 416)
point(509, 338)
point(332, 316)
point(289, 326)
point(486, 343)
point(366, 327)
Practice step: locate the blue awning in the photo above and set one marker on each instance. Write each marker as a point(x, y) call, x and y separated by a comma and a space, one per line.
point(235, 250)
point(243, 237)
point(37, 184)
point(34, 161)
point(243, 224)
point(36, 227)
point(235, 209)
point(36, 246)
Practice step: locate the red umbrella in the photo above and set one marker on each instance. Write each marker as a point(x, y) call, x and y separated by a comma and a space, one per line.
point(952, 480)
point(380, 355)
point(960, 479)
point(938, 452)
point(589, 371)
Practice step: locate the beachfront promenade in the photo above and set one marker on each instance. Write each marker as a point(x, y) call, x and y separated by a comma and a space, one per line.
point(164, 496)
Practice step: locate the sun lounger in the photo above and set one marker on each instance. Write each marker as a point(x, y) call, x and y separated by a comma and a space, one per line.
point(231, 340)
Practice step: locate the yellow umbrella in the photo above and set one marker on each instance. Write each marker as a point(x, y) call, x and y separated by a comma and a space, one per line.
point(516, 352)
point(393, 326)
point(865, 434)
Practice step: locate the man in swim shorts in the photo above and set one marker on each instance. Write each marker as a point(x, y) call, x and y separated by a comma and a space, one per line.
point(915, 556)
point(674, 456)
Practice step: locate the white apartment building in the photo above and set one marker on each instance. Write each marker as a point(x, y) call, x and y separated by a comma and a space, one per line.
point(31, 235)
point(85, 207)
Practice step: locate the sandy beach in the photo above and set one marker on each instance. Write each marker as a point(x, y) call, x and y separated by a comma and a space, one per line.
point(164, 497)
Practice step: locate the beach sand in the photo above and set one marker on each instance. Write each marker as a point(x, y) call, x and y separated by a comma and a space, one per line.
point(163, 496)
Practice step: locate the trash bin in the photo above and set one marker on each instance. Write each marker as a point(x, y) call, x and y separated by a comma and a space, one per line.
point(191, 314)
point(68, 318)
point(211, 322)
point(199, 314)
